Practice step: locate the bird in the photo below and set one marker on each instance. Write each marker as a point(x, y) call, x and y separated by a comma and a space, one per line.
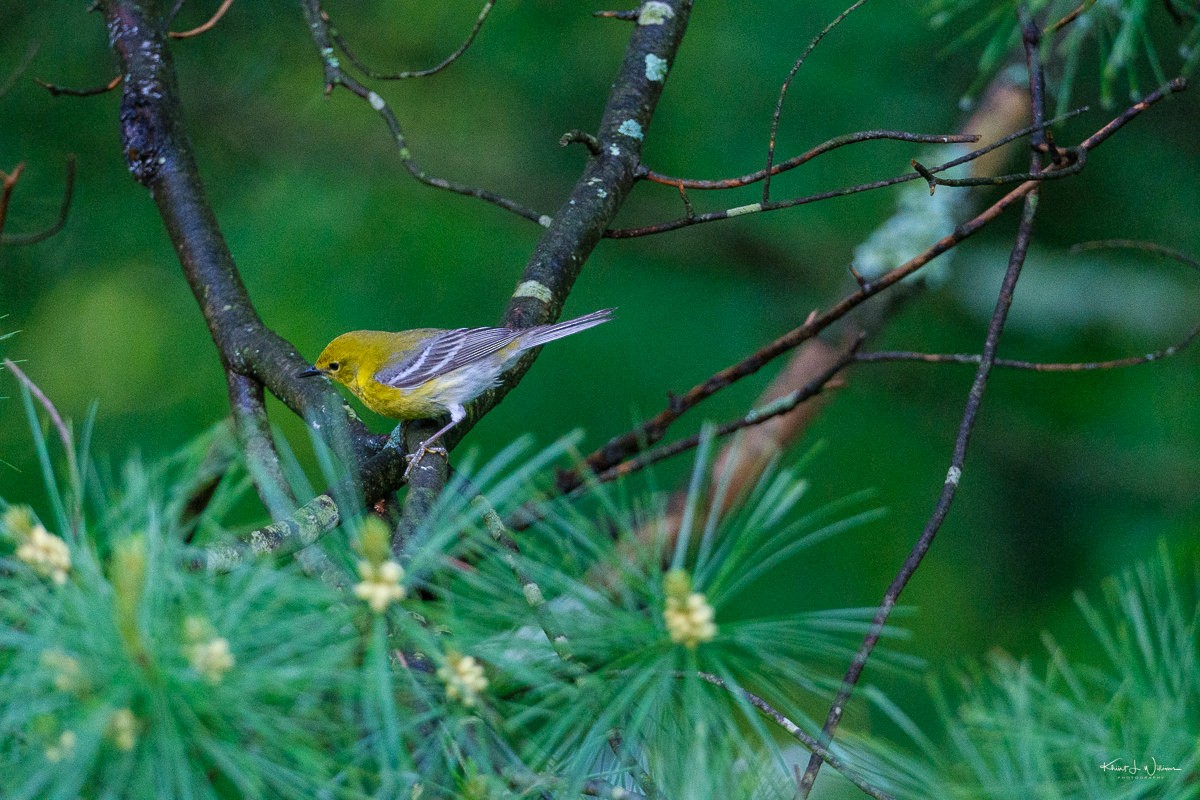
point(429, 372)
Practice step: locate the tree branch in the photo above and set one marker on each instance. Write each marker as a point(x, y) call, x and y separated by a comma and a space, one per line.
point(601, 190)
point(1016, 261)
point(414, 73)
point(1035, 366)
point(794, 730)
point(45, 233)
point(652, 430)
point(159, 153)
point(809, 155)
point(322, 33)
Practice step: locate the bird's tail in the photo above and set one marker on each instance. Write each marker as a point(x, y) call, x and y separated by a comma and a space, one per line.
point(540, 334)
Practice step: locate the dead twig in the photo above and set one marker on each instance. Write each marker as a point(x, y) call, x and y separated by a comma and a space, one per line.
point(207, 26)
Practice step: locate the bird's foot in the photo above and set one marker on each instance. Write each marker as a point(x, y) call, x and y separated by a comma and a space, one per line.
point(415, 458)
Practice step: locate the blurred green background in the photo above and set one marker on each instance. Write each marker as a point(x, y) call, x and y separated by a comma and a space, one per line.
point(1069, 478)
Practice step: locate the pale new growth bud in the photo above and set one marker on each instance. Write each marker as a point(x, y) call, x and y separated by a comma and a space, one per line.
point(46, 554)
point(464, 679)
point(123, 729)
point(18, 521)
point(211, 659)
point(380, 585)
point(68, 675)
point(690, 620)
point(63, 749)
point(206, 652)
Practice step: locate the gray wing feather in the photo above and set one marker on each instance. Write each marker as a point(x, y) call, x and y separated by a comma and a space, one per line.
point(445, 352)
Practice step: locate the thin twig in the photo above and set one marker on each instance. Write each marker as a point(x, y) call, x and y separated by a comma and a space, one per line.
point(529, 588)
point(207, 26)
point(576, 136)
point(757, 416)
point(783, 90)
point(64, 208)
point(991, 344)
point(415, 73)
point(57, 90)
point(8, 182)
point(1133, 244)
point(652, 430)
point(335, 76)
point(949, 490)
point(809, 155)
point(1070, 16)
point(794, 730)
point(61, 427)
point(1075, 160)
point(19, 70)
point(713, 216)
point(1173, 86)
point(64, 433)
point(1075, 366)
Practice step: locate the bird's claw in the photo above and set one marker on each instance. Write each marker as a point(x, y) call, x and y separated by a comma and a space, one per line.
point(415, 458)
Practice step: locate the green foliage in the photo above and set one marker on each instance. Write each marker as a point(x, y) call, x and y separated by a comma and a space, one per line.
point(451, 666)
point(1121, 33)
point(1126, 728)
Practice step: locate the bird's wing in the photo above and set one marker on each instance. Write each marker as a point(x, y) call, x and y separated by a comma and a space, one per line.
point(442, 353)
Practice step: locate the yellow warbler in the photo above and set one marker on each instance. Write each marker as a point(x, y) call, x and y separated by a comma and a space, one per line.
point(429, 372)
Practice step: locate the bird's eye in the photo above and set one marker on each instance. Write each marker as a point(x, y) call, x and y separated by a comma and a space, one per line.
point(334, 366)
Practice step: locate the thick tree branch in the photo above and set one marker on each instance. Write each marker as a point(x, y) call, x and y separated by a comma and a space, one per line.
point(598, 194)
point(159, 153)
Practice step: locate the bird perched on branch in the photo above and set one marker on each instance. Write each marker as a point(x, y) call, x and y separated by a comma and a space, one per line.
point(429, 372)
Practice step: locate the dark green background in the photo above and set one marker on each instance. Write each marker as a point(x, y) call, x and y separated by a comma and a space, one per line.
point(1069, 478)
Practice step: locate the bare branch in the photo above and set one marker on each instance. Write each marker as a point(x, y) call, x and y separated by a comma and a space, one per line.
point(8, 182)
point(776, 205)
point(254, 432)
point(783, 90)
point(794, 730)
point(160, 157)
point(621, 447)
point(63, 209)
point(417, 73)
point(61, 428)
point(207, 26)
point(652, 430)
point(1131, 244)
point(319, 27)
point(809, 155)
point(991, 344)
point(56, 90)
point(1075, 159)
point(1074, 366)
point(757, 416)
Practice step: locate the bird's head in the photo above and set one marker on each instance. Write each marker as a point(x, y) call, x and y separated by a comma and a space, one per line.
point(339, 360)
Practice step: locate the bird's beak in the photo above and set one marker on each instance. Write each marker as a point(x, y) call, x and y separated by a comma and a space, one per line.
point(308, 373)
